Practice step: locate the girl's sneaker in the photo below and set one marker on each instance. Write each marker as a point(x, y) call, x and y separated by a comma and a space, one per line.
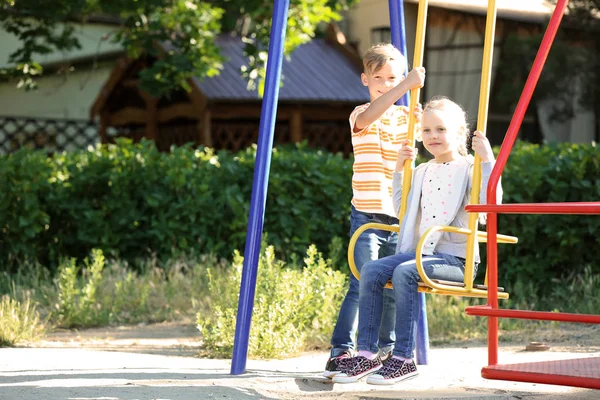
point(355, 368)
point(334, 364)
point(394, 370)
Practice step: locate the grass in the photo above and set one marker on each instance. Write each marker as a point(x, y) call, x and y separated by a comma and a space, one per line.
point(19, 322)
point(295, 306)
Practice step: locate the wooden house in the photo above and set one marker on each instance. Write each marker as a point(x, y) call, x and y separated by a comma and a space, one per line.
point(321, 86)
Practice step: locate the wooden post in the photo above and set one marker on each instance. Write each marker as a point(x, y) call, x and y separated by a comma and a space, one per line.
point(296, 126)
point(103, 125)
point(152, 122)
point(151, 115)
point(204, 129)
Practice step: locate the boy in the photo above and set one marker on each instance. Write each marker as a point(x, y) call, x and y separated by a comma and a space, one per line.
point(378, 129)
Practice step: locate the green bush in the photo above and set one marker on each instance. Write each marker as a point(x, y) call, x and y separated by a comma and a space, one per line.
point(101, 292)
point(134, 203)
point(19, 321)
point(550, 246)
point(293, 308)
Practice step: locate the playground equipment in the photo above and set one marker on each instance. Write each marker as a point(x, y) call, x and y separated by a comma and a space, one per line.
point(467, 288)
point(581, 372)
point(584, 372)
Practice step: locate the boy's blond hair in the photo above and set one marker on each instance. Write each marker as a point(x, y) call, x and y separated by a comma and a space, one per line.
point(379, 55)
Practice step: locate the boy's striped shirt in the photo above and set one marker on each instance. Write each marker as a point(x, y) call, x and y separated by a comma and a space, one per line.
point(375, 152)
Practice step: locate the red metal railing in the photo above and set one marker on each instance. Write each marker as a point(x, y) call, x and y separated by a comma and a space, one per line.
point(492, 209)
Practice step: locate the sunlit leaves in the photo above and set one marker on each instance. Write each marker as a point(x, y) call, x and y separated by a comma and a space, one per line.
point(180, 33)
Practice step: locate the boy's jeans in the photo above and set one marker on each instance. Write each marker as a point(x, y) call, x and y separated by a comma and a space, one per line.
point(401, 269)
point(371, 245)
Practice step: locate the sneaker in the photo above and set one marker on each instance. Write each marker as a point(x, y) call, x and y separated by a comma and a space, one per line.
point(355, 368)
point(384, 355)
point(334, 363)
point(394, 370)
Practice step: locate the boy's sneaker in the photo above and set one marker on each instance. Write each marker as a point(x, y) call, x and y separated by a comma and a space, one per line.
point(334, 363)
point(394, 370)
point(355, 368)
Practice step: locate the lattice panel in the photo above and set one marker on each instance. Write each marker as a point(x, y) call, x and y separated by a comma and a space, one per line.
point(177, 135)
point(234, 135)
point(49, 134)
point(332, 136)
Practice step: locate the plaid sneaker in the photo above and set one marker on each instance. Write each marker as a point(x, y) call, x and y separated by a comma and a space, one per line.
point(355, 368)
point(334, 364)
point(394, 370)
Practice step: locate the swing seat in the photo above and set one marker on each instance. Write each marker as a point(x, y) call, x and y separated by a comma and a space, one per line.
point(436, 286)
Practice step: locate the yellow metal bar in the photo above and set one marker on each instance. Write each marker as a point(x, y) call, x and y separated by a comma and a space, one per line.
point(462, 292)
point(439, 288)
point(482, 238)
point(414, 100)
point(408, 167)
point(419, 254)
point(354, 238)
point(484, 98)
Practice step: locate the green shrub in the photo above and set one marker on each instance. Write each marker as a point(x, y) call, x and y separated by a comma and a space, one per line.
point(135, 203)
point(77, 304)
point(292, 309)
point(550, 246)
point(18, 322)
point(107, 293)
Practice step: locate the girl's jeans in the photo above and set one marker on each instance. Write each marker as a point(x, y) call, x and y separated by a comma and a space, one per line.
point(402, 270)
point(371, 245)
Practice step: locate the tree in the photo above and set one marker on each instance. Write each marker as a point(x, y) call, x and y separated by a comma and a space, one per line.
point(179, 34)
point(572, 70)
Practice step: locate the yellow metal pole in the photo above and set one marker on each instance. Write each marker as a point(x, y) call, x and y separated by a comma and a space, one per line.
point(484, 98)
point(414, 100)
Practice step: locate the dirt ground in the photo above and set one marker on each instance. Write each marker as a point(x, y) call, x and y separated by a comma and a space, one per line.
point(161, 362)
point(182, 339)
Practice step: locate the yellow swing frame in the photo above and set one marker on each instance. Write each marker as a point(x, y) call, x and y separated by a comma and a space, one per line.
point(467, 288)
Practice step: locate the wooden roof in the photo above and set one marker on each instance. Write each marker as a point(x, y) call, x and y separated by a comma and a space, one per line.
point(323, 70)
point(316, 71)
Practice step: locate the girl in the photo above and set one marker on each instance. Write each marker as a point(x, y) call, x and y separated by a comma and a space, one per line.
point(440, 191)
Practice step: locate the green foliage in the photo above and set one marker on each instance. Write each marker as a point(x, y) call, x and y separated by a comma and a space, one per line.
point(180, 290)
point(24, 183)
point(571, 71)
point(134, 203)
point(77, 304)
point(180, 32)
point(292, 305)
point(550, 246)
point(18, 321)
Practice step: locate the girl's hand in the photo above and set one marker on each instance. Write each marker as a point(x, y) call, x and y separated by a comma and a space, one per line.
point(481, 146)
point(406, 152)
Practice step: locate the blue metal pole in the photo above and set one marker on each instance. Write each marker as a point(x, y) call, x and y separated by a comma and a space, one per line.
point(398, 31)
point(259, 187)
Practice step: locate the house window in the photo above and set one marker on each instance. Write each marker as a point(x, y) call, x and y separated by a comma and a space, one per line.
point(382, 34)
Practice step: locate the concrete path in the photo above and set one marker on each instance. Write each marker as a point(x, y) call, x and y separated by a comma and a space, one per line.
point(90, 374)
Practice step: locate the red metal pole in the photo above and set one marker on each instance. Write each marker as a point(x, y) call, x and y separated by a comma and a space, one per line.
point(505, 149)
point(537, 315)
point(532, 79)
point(492, 265)
point(592, 207)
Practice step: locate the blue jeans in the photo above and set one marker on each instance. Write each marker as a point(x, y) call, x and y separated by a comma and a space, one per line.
point(402, 270)
point(371, 245)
